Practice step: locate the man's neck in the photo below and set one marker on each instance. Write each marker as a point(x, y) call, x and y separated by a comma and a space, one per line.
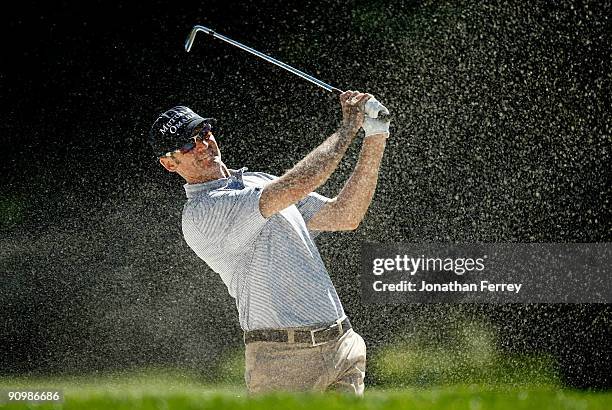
point(218, 172)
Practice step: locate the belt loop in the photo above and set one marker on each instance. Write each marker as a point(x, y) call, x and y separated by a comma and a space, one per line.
point(340, 330)
point(290, 336)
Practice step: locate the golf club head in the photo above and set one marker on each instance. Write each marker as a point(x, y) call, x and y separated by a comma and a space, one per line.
point(192, 35)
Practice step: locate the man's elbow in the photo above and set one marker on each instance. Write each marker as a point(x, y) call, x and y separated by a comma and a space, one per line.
point(349, 225)
point(353, 227)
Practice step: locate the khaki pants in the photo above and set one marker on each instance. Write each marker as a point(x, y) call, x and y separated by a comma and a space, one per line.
point(338, 365)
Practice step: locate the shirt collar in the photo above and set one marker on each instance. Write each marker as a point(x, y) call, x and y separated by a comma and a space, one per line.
point(234, 181)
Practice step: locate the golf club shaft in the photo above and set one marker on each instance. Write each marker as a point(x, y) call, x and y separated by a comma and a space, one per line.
point(269, 59)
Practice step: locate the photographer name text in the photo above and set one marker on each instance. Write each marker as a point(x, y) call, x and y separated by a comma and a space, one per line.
point(409, 286)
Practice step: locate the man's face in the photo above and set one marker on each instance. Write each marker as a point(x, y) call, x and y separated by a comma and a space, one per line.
point(196, 158)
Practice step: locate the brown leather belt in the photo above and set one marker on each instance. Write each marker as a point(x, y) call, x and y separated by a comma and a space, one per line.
point(315, 337)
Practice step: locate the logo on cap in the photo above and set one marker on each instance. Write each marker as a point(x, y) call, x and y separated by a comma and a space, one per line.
point(180, 117)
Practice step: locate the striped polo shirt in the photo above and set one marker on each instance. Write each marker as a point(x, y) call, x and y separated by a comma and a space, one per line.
point(270, 266)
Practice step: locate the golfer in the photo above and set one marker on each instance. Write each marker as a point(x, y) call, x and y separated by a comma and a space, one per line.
point(256, 231)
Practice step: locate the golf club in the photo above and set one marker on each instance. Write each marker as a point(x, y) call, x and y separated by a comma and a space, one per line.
point(269, 59)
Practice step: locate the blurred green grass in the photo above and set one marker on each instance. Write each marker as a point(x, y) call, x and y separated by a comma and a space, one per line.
point(465, 353)
point(179, 391)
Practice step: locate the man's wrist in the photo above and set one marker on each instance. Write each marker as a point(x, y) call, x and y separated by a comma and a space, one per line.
point(348, 130)
point(376, 136)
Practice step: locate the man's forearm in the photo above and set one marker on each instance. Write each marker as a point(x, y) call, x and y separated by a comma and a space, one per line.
point(355, 197)
point(308, 174)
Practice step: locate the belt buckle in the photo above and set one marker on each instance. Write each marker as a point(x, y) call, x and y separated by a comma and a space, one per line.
point(337, 324)
point(312, 336)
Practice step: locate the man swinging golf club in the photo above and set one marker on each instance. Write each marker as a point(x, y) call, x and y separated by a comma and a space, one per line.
point(256, 231)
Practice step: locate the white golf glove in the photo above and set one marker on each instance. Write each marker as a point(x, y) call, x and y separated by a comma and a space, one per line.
point(373, 124)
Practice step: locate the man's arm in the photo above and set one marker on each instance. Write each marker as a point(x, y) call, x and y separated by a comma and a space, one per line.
point(347, 210)
point(312, 171)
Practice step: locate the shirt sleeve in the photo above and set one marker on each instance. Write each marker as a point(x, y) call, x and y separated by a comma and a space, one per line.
point(312, 204)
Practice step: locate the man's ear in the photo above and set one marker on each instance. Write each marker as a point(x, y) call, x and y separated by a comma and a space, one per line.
point(169, 163)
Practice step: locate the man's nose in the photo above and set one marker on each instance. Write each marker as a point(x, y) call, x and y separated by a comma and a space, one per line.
point(201, 144)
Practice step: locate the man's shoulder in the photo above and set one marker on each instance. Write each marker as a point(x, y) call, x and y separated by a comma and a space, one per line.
point(218, 201)
point(200, 204)
point(203, 210)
